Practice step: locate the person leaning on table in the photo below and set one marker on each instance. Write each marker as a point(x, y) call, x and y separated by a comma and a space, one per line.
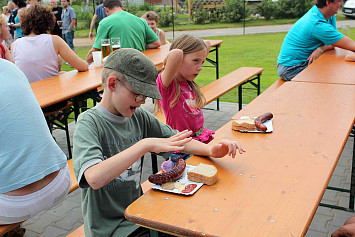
point(34, 175)
point(310, 37)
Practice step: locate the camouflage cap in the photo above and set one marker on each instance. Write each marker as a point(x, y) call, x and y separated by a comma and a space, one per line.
point(138, 69)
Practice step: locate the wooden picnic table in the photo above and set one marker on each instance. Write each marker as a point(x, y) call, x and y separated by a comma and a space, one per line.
point(71, 84)
point(275, 187)
point(331, 67)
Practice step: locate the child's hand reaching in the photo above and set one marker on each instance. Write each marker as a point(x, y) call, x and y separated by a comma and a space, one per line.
point(226, 147)
point(174, 143)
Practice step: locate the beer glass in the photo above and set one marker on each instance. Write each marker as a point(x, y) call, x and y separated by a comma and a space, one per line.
point(345, 29)
point(105, 47)
point(115, 43)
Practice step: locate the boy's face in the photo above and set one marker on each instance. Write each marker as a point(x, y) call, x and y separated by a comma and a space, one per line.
point(124, 100)
point(152, 24)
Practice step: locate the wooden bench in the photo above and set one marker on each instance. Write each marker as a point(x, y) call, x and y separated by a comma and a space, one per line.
point(6, 228)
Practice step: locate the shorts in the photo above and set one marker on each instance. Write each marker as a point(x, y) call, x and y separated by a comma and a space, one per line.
point(69, 39)
point(287, 73)
point(15, 209)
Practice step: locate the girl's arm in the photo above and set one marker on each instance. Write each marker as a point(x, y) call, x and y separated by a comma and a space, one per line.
point(68, 54)
point(171, 66)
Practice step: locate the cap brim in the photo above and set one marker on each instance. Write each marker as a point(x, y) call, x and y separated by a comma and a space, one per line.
point(143, 88)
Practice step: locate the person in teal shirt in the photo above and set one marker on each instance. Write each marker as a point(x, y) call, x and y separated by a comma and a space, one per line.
point(310, 37)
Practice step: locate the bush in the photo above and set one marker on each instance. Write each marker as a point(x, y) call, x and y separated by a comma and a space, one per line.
point(286, 9)
point(83, 16)
point(165, 18)
point(234, 11)
point(200, 16)
point(266, 9)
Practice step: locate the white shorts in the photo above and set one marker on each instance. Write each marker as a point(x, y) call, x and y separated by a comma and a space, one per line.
point(15, 209)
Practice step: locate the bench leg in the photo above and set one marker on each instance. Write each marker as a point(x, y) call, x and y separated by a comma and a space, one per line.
point(154, 163)
point(153, 233)
point(240, 98)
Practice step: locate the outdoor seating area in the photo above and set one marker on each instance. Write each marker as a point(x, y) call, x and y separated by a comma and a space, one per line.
point(272, 162)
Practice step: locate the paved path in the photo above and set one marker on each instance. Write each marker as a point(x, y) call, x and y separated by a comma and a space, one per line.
point(83, 42)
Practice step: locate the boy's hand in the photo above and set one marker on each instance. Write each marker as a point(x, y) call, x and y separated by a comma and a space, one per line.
point(226, 147)
point(174, 143)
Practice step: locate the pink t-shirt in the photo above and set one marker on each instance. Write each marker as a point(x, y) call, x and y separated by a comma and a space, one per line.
point(185, 114)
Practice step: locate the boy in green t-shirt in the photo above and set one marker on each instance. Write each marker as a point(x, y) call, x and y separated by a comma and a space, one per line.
point(110, 139)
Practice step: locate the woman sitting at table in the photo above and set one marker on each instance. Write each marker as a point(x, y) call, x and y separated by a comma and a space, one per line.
point(4, 35)
point(37, 54)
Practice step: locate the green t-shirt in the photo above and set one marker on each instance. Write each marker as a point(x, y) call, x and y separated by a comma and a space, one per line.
point(100, 135)
point(133, 31)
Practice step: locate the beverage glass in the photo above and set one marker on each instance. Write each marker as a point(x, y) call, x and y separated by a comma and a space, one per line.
point(105, 48)
point(115, 43)
point(97, 58)
point(345, 29)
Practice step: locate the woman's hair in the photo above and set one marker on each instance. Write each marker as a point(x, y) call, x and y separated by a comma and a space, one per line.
point(2, 20)
point(151, 15)
point(5, 8)
point(20, 3)
point(189, 44)
point(37, 19)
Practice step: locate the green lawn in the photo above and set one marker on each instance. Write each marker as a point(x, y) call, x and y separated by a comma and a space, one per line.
point(258, 50)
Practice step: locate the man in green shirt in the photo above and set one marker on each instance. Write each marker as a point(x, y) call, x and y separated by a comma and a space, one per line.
point(133, 31)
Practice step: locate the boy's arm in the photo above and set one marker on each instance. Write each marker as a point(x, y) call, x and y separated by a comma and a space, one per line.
point(107, 170)
point(223, 148)
point(162, 37)
point(171, 66)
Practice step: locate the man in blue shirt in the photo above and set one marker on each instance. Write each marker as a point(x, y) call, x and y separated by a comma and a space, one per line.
point(310, 37)
point(68, 23)
point(99, 14)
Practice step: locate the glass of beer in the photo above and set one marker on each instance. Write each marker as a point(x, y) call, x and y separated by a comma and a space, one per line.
point(115, 43)
point(105, 47)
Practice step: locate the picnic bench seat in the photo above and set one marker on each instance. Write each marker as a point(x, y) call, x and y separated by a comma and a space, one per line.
point(6, 228)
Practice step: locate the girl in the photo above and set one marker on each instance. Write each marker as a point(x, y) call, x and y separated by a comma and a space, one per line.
point(4, 35)
point(182, 100)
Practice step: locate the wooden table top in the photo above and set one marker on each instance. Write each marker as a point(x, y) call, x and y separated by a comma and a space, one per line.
point(275, 187)
point(70, 84)
point(331, 67)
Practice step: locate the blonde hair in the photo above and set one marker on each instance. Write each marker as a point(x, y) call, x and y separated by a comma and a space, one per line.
point(151, 15)
point(5, 8)
point(189, 44)
point(108, 72)
point(2, 20)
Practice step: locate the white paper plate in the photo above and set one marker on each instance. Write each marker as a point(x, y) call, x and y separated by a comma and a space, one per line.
point(183, 179)
point(267, 123)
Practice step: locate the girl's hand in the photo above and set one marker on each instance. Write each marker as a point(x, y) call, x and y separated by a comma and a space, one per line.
point(174, 143)
point(226, 147)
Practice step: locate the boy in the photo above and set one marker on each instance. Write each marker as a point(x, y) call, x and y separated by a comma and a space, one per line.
point(110, 139)
point(152, 19)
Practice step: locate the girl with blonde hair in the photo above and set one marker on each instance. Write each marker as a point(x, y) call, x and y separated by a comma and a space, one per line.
point(4, 35)
point(182, 99)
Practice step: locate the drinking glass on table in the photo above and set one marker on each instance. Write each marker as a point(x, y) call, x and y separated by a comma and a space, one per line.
point(105, 47)
point(115, 43)
point(345, 29)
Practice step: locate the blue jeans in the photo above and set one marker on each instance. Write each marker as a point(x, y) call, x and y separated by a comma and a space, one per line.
point(69, 38)
point(289, 72)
